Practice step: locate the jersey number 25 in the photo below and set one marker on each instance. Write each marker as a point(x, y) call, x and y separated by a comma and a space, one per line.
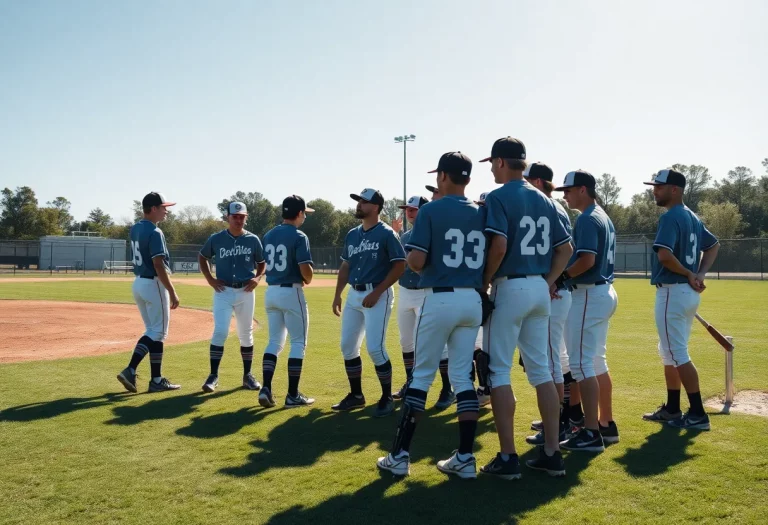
point(456, 257)
point(138, 260)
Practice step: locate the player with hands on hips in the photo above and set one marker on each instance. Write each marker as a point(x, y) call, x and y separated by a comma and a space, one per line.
point(240, 266)
point(593, 303)
point(372, 261)
point(678, 272)
point(529, 248)
point(289, 268)
point(153, 293)
point(447, 248)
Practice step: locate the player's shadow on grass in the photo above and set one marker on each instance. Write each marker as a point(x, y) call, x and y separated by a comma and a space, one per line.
point(661, 451)
point(57, 407)
point(305, 438)
point(486, 500)
point(163, 407)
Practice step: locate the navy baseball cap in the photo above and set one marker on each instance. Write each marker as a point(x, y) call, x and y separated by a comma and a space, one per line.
point(539, 170)
point(155, 199)
point(369, 195)
point(507, 148)
point(668, 176)
point(431, 188)
point(577, 178)
point(293, 204)
point(454, 162)
point(417, 201)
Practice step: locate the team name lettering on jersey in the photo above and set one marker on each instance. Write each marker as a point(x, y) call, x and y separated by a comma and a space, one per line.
point(364, 246)
point(237, 250)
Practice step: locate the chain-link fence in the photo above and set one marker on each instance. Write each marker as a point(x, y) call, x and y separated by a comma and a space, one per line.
point(738, 258)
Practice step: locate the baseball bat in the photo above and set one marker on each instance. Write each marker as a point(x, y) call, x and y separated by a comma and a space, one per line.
point(714, 332)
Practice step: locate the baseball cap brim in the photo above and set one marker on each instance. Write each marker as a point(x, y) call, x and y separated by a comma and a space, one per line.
point(561, 188)
point(431, 188)
point(404, 206)
point(357, 198)
point(307, 209)
point(654, 183)
point(167, 204)
point(486, 159)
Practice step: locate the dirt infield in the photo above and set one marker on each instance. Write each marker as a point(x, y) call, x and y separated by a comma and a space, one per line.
point(316, 283)
point(68, 329)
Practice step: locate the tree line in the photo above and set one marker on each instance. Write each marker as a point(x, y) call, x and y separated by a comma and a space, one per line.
point(732, 207)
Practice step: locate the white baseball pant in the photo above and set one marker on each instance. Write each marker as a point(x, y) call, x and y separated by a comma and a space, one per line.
point(287, 313)
point(520, 318)
point(676, 306)
point(357, 320)
point(154, 305)
point(586, 329)
point(224, 303)
point(451, 320)
point(409, 304)
point(558, 353)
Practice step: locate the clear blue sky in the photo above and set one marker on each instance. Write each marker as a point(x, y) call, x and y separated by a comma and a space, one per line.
point(103, 101)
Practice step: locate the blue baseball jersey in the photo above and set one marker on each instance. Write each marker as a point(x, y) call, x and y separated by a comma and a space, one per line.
point(594, 233)
point(236, 257)
point(370, 253)
point(450, 232)
point(148, 242)
point(564, 218)
point(409, 279)
point(681, 232)
point(285, 248)
point(530, 222)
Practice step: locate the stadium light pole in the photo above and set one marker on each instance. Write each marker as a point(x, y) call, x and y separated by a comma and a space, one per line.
point(405, 139)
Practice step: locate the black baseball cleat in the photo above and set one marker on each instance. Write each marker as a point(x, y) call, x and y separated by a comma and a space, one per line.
point(552, 465)
point(265, 398)
point(662, 414)
point(211, 383)
point(385, 407)
point(446, 399)
point(351, 402)
point(585, 440)
point(538, 438)
point(610, 433)
point(127, 379)
point(163, 386)
point(509, 469)
point(299, 400)
point(250, 383)
point(691, 421)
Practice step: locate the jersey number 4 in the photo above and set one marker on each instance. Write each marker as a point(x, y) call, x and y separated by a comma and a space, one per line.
point(138, 260)
point(456, 257)
point(277, 257)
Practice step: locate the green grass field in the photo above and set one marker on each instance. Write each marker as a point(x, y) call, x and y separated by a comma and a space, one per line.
point(76, 448)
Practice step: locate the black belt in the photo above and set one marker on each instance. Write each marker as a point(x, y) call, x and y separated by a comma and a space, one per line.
point(146, 277)
point(236, 285)
point(515, 276)
point(598, 283)
point(569, 288)
point(442, 289)
point(362, 287)
point(411, 287)
point(287, 285)
point(661, 285)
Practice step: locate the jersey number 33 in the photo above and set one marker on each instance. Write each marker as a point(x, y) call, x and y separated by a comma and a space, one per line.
point(456, 257)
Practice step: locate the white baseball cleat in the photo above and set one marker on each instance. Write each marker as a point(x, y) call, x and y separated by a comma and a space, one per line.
point(453, 465)
point(399, 466)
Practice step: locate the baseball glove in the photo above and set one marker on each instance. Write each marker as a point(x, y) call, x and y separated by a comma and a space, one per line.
point(487, 305)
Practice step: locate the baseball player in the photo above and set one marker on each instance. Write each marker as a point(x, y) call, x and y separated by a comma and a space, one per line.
point(373, 260)
point(289, 268)
point(540, 176)
point(527, 242)
point(593, 303)
point(678, 273)
point(447, 247)
point(153, 292)
point(238, 253)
